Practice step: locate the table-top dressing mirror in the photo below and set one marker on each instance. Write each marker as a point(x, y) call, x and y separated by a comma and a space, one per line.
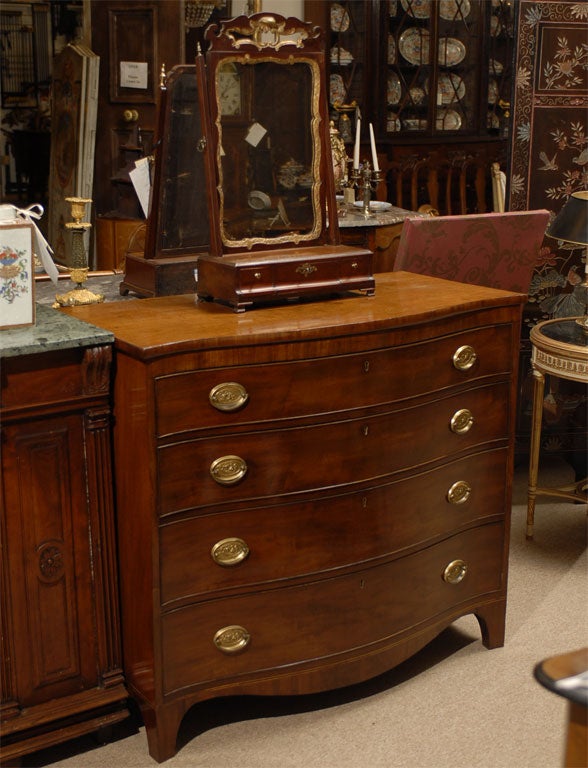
point(273, 221)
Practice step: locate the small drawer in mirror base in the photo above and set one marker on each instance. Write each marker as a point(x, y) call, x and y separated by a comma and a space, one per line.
point(243, 280)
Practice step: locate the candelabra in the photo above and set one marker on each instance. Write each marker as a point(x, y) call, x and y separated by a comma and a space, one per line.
point(365, 179)
point(79, 267)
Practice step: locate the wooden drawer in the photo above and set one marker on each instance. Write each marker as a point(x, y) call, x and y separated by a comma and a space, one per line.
point(326, 385)
point(295, 540)
point(381, 601)
point(327, 456)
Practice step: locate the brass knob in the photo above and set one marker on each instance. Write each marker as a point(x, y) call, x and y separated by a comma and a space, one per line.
point(461, 421)
point(228, 470)
point(464, 357)
point(229, 552)
point(459, 492)
point(228, 396)
point(130, 115)
point(455, 572)
point(232, 639)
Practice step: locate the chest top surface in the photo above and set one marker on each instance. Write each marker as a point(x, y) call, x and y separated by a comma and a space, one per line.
point(153, 328)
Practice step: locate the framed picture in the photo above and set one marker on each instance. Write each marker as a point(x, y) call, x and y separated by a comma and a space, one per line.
point(17, 281)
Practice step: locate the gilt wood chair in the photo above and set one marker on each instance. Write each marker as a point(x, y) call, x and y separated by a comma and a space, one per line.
point(498, 250)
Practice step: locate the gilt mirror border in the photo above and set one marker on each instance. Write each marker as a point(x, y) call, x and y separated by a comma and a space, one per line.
point(271, 39)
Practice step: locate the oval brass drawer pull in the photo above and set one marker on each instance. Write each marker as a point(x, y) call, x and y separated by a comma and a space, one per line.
point(462, 421)
point(459, 492)
point(232, 639)
point(229, 552)
point(228, 396)
point(228, 470)
point(455, 572)
point(464, 357)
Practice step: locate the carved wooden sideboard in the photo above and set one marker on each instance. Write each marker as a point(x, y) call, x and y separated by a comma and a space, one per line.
point(61, 673)
point(307, 494)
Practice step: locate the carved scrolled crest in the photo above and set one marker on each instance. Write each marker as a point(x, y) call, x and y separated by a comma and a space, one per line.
point(263, 30)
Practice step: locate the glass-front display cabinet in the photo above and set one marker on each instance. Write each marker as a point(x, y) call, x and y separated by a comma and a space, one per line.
point(434, 77)
point(273, 221)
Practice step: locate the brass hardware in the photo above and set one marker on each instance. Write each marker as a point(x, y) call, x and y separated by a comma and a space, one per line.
point(455, 572)
point(232, 639)
point(459, 492)
point(130, 115)
point(462, 421)
point(366, 431)
point(306, 269)
point(464, 357)
point(257, 275)
point(228, 470)
point(366, 366)
point(228, 396)
point(354, 265)
point(229, 552)
point(201, 144)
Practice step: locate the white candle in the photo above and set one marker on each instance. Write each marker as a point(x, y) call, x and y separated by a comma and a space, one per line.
point(356, 147)
point(374, 153)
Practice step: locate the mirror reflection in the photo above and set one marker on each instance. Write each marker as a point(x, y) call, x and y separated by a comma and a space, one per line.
point(268, 151)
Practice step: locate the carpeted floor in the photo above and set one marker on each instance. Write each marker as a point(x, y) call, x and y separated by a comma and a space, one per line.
point(454, 705)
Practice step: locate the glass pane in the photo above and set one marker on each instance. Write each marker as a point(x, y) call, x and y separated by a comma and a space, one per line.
point(268, 151)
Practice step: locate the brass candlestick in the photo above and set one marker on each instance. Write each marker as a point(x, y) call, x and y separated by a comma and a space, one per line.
point(79, 269)
point(366, 180)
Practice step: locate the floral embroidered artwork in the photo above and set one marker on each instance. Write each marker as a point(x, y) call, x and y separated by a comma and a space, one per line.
point(16, 276)
point(14, 273)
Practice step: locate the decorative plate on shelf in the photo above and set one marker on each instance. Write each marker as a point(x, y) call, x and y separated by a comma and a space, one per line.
point(418, 9)
point(336, 90)
point(417, 95)
point(392, 122)
point(495, 67)
point(452, 10)
point(451, 51)
point(391, 49)
point(414, 124)
point(492, 91)
point(495, 26)
point(393, 7)
point(341, 56)
point(339, 18)
point(448, 120)
point(394, 89)
point(413, 44)
point(450, 88)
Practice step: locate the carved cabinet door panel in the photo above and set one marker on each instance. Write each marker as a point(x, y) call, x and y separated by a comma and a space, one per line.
point(134, 41)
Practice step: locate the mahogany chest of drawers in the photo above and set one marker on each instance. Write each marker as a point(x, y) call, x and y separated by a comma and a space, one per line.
point(307, 494)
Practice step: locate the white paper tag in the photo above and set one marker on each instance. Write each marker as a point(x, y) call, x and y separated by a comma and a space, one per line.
point(133, 74)
point(255, 134)
point(141, 179)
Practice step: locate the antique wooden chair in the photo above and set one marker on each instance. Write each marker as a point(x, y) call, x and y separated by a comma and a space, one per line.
point(498, 250)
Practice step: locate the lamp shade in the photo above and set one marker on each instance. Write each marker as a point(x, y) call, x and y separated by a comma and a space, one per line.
point(571, 223)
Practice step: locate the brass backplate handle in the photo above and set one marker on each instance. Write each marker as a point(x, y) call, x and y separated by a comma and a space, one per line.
point(462, 421)
point(232, 639)
point(464, 357)
point(306, 269)
point(228, 396)
point(459, 492)
point(229, 552)
point(228, 470)
point(455, 572)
